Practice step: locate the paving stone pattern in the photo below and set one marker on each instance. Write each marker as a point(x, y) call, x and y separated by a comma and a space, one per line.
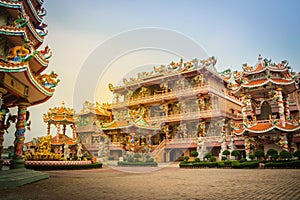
point(165, 183)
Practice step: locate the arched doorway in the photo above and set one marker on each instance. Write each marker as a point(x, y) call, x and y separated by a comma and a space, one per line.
point(265, 111)
point(175, 154)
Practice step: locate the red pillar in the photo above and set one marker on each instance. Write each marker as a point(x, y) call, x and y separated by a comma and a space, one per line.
point(18, 161)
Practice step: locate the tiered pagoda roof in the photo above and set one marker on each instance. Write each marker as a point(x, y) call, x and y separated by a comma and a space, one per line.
point(97, 109)
point(61, 115)
point(24, 32)
point(265, 127)
point(259, 84)
point(264, 74)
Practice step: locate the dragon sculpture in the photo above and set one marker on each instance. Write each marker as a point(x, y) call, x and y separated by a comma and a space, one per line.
point(49, 80)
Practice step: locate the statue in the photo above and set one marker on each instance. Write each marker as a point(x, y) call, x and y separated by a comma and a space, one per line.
point(66, 151)
point(201, 148)
point(49, 81)
point(79, 149)
point(46, 53)
point(231, 144)
point(111, 87)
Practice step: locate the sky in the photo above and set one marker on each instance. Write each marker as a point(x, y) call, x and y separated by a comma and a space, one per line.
point(97, 42)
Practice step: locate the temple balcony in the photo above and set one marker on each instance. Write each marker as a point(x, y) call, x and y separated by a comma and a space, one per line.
point(184, 92)
point(186, 116)
point(88, 129)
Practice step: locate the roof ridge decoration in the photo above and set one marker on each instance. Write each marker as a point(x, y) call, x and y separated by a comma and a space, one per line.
point(95, 108)
point(171, 68)
point(61, 113)
point(49, 81)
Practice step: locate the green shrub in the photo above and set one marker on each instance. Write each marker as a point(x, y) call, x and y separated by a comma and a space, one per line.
point(137, 155)
point(223, 158)
point(252, 156)
point(130, 159)
point(64, 167)
point(208, 155)
point(235, 153)
point(275, 156)
point(197, 159)
point(150, 160)
point(140, 164)
point(221, 164)
point(271, 152)
point(297, 154)
point(259, 153)
point(283, 164)
point(285, 154)
point(194, 154)
point(186, 158)
point(247, 164)
point(212, 159)
point(226, 153)
point(243, 160)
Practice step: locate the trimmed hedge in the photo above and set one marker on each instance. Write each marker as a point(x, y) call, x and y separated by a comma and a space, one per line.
point(198, 165)
point(64, 167)
point(138, 164)
point(222, 164)
point(294, 164)
point(247, 165)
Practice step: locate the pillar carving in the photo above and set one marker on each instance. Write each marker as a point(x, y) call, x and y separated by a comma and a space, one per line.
point(20, 129)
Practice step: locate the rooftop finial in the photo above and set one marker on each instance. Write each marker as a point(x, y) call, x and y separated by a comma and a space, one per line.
point(260, 57)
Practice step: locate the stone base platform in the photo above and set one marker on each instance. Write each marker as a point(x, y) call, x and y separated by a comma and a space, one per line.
point(19, 177)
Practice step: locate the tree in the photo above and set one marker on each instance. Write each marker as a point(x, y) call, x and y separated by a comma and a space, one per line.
point(297, 154)
point(273, 153)
point(208, 155)
point(251, 156)
point(235, 153)
point(186, 158)
point(194, 154)
point(258, 154)
point(226, 153)
point(285, 154)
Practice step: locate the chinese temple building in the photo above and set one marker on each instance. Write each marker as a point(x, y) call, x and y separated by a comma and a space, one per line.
point(166, 110)
point(270, 106)
point(90, 119)
point(59, 147)
point(23, 82)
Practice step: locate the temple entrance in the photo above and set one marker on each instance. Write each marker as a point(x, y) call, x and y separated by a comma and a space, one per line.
point(175, 154)
point(265, 111)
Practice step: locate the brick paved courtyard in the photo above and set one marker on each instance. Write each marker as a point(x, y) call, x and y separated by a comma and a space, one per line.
point(164, 183)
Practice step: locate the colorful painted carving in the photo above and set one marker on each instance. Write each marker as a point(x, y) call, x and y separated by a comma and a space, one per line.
point(49, 80)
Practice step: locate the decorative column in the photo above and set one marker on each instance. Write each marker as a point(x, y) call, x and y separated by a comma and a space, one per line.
point(247, 147)
point(280, 107)
point(3, 112)
point(18, 161)
point(244, 103)
point(287, 108)
point(48, 128)
point(74, 131)
point(64, 129)
point(222, 124)
point(58, 128)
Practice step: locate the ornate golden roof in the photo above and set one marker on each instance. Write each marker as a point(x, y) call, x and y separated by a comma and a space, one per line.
point(61, 114)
